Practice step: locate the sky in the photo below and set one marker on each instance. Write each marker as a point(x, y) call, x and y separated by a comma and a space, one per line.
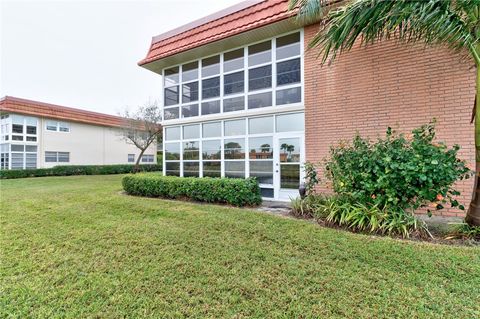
point(84, 54)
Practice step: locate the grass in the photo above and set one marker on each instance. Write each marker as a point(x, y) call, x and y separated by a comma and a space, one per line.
point(76, 247)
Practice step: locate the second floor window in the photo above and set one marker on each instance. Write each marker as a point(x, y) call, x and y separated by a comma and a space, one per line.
point(264, 74)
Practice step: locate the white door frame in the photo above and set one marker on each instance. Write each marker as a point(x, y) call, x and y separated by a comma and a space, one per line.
point(286, 194)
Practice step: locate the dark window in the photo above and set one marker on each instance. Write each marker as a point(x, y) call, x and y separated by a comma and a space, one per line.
point(190, 71)
point(287, 96)
point(171, 113)
point(190, 110)
point(31, 130)
point(211, 66)
point(190, 92)
point(260, 78)
point(171, 95)
point(260, 100)
point(233, 60)
point(288, 72)
point(211, 88)
point(234, 104)
point(266, 192)
point(210, 107)
point(288, 46)
point(17, 128)
point(259, 53)
point(233, 83)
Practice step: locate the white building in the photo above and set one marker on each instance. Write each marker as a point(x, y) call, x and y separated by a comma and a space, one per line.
point(41, 135)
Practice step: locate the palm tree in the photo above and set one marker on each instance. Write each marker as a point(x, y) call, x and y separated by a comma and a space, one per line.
point(452, 23)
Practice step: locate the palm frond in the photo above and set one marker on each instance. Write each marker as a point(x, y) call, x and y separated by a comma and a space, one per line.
point(368, 21)
point(309, 11)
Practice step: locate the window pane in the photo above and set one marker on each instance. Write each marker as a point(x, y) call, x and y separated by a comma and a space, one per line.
point(191, 169)
point(262, 170)
point(31, 121)
point(190, 92)
point(211, 107)
point(259, 53)
point(260, 148)
point(211, 66)
point(17, 137)
point(17, 148)
point(260, 78)
point(260, 100)
point(211, 150)
point(233, 60)
point(31, 130)
point(31, 139)
point(190, 150)
point(234, 148)
point(189, 71)
point(290, 122)
point(31, 160)
point(172, 133)
point(288, 72)
point(30, 148)
point(171, 76)
point(131, 158)
point(50, 157)
point(172, 169)
point(260, 125)
point(211, 88)
point(191, 131)
point(211, 169)
point(289, 150)
point(190, 110)
point(171, 113)
point(236, 127)
point(235, 169)
point(171, 96)
point(293, 95)
point(172, 151)
point(17, 128)
point(289, 176)
point(52, 125)
point(233, 83)
point(266, 192)
point(212, 129)
point(234, 104)
point(17, 160)
point(288, 46)
point(63, 157)
point(64, 127)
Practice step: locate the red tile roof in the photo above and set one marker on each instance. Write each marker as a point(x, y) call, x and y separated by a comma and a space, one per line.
point(248, 15)
point(40, 109)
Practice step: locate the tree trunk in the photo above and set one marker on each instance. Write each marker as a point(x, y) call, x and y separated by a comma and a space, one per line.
point(136, 168)
point(473, 214)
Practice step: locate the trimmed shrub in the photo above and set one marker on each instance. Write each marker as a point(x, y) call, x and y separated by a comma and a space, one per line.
point(237, 192)
point(68, 170)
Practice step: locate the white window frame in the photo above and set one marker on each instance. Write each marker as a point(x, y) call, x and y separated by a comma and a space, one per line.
point(245, 94)
point(58, 126)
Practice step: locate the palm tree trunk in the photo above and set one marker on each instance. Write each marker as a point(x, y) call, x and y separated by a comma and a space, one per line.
point(473, 214)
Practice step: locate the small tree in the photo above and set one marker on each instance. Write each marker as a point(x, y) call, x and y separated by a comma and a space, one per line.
point(142, 127)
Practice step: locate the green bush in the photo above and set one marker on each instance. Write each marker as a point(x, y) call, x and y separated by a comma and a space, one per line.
point(237, 192)
point(77, 170)
point(398, 172)
point(306, 207)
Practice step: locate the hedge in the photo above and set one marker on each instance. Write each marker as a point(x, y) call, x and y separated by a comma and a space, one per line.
point(237, 192)
point(77, 170)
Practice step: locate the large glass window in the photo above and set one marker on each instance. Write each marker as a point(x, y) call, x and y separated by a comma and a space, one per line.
point(233, 60)
point(259, 125)
point(212, 129)
point(212, 169)
point(172, 168)
point(235, 169)
point(234, 148)
point(261, 148)
point(172, 133)
point(260, 78)
point(235, 127)
point(191, 131)
point(195, 88)
point(191, 150)
point(191, 169)
point(290, 122)
point(172, 151)
point(260, 53)
point(211, 149)
point(233, 83)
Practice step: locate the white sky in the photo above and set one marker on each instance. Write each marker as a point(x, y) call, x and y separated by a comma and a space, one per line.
point(84, 54)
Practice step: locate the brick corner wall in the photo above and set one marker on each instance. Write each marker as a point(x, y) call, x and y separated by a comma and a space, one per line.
point(389, 84)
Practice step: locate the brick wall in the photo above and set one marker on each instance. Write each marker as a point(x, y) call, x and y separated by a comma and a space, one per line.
point(389, 84)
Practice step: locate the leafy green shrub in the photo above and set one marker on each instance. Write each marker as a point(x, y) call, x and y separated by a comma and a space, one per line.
point(467, 231)
point(77, 170)
point(237, 192)
point(398, 172)
point(305, 207)
point(311, 178)
point(340, 210)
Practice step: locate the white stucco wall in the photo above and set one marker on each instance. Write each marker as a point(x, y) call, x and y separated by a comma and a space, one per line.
point(87, 145)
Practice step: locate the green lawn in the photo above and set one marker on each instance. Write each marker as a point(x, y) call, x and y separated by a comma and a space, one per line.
point(76, 247)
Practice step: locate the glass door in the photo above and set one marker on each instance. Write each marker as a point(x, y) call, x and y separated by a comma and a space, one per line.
point(289, 158)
